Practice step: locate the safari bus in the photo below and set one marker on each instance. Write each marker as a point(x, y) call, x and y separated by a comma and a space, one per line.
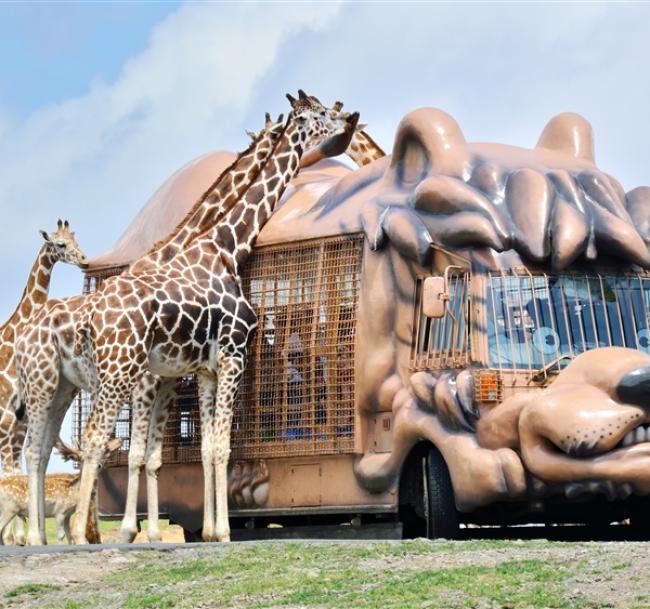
point(457, 333)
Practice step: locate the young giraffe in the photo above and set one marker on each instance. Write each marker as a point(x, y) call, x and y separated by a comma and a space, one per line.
point(148, 421)
point(187, 317)
point(223, 193)
point(61, 246)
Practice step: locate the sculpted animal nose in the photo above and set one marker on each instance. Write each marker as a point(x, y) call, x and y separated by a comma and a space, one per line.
point(634, 387)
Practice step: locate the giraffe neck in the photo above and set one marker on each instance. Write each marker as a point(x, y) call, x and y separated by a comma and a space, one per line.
point(235, 235)
point(363, 149)
point(222, 195)
point(34, 295)
point(247, 219)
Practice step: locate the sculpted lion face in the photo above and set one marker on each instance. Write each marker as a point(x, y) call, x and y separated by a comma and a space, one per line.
point(550, 209)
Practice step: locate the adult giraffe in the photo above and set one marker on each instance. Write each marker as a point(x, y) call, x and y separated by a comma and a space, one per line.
point(149, 418)
point(188, 316)
point(60, 246)
point(154, 396)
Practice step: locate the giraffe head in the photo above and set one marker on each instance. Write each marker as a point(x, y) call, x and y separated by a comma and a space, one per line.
point(62, 245)
point(270, 126)
point(323, 123)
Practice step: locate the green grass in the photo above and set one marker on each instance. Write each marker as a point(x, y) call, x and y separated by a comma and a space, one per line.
point(407, 575)
point(31, 589)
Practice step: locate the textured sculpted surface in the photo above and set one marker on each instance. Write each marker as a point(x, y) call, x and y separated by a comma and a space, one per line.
point(550, 209)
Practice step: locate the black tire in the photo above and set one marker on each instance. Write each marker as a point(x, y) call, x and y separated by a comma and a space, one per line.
point(442, 516)
point(192, 536)
point(640, 518)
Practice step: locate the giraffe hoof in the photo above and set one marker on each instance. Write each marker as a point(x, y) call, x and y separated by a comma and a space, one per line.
point(127, 535)
point(154, 536)
point(224, 538)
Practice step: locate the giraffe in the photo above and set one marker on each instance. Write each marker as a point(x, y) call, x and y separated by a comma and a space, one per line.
point(149, 416)
point(62, 246)
point(188, 316)
point(363, 150)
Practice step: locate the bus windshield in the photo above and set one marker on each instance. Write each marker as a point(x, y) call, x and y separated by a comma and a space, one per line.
point(533, 320)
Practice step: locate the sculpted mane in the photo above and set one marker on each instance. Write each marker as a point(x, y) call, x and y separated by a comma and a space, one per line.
point(550, 204)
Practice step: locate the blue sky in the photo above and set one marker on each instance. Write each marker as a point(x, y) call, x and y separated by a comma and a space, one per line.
point(100, 103)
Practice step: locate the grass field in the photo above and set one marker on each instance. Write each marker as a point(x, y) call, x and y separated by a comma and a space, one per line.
point(364, 575)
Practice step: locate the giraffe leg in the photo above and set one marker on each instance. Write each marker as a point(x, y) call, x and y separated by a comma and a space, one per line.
point(15, 440)
point(157, 424)
point(7, 426)
point(36, 466)
point(141, 406)
point(207, 390)
point(231, 368)
point(5, 519)
point(110, 400)
point(48, 435)
point(60, 519)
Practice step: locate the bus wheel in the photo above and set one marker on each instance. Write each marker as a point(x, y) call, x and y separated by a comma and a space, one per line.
point(442, 516)
point(640, 518)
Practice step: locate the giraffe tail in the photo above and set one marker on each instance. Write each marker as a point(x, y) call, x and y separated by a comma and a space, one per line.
point(67, 452)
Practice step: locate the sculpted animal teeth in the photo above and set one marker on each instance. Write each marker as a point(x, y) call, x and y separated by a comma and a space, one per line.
point(640, 435)
point(629, 438)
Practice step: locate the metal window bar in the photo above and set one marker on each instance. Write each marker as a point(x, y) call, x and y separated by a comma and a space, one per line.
point(534, 319)
point(444, 342)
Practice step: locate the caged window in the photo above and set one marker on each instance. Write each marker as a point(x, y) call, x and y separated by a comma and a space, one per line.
point(537, 320)
point(443, 342)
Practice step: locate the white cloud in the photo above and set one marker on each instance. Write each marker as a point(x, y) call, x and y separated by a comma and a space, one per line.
point(95, 159)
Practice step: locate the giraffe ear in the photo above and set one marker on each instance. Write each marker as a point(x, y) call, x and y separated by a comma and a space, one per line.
point(44, 234)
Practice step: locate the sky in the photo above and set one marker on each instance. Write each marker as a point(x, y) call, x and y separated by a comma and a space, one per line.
point(101, 102)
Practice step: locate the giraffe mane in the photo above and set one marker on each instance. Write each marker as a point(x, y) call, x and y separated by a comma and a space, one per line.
point(225, 210)
point(194, 209)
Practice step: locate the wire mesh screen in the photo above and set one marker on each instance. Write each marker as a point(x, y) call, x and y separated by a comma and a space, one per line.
point(443, 342)
point(297, 397)
point(297, 394)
